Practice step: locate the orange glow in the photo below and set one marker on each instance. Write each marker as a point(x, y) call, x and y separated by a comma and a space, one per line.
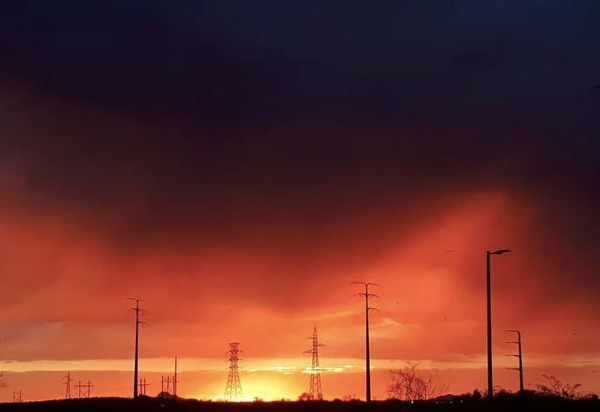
point(265, 272)
point(431, 312)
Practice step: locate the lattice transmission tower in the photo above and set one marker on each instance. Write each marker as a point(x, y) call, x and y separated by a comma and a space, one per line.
point(233, 389)
point(316, 390)
point(68, 386)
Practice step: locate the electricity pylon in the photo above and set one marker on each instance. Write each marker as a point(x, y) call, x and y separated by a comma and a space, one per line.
point(233, 389)
point(68, 386)
point(315, 390)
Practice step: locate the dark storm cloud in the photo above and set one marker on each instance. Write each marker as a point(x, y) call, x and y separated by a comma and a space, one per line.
point(203, 114)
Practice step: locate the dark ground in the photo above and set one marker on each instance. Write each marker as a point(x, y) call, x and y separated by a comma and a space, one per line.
point(150, 405)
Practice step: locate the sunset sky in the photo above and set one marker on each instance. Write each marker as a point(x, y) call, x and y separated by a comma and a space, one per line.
point(237, 164)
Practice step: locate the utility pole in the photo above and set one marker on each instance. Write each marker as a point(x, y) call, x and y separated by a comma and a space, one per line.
point(79, 386)
point(88, 389)
point(68, 386)
point(165, 385)
point(18, 396)
point(84, 390)
point(490, 373)
point(519, 356)
point(368, 309)
point(143, 386)
point(175, 380)
point(138, 322)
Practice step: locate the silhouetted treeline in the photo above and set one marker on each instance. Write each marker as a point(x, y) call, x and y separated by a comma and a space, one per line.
point(462, 403)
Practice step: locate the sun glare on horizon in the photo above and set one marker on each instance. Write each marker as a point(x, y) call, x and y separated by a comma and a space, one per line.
point(250, 398)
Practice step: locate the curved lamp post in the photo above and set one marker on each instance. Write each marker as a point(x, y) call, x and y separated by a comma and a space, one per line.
point(489, 317)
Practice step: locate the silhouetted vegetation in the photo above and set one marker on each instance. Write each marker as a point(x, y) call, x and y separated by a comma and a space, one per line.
point(556, 388)
point(504, 401)
point(409, 384)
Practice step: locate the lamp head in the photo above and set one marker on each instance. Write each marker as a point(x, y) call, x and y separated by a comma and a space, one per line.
point(500, 252)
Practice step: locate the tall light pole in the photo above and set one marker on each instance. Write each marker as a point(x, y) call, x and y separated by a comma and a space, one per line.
point(368, 309)
point(490, 376)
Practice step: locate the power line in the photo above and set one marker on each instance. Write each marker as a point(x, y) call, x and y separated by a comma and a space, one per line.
point(368, 309)
point(519, 356)
point(138, 322)
point(315, 390)
point(233, 389)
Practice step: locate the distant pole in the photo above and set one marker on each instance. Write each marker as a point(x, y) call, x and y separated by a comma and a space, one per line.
point(137, 311)
point(143, 386)
point(175, 380)
point(89, 387)
point(490, 377)
point(168, 388)
point(519, 356)
point(18, 396)
point(368, 309)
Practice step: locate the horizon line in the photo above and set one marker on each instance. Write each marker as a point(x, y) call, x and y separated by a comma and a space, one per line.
point(281, 365)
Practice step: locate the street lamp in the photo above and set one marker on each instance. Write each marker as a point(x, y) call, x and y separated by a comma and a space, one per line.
point(489, 317)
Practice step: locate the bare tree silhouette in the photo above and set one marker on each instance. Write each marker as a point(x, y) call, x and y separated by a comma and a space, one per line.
point(409, 384)
point(554, 387)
